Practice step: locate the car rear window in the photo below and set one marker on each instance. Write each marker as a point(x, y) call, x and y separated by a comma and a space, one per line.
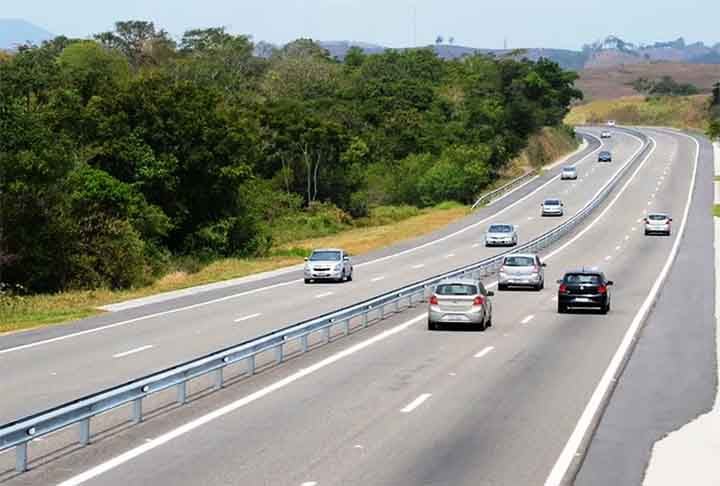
point(456, 289)
point(500, 228)
point(519, 261)
point(569, 169)
point(552, 202)
point(582, 278)
point(324, 256)
point(657, 217)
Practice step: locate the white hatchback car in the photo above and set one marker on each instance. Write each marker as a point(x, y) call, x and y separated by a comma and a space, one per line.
point(552, 207)
point(328, 264)
point(658, 223)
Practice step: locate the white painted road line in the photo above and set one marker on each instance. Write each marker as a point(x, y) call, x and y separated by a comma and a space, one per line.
point(310, 483)
point(484, 352)
point(419, 265)
point(416, 403)
point(231, 407)
point(608, 258)
point(132, 351)
point(527, 319)
point(449, 255)
point(247, 318)
point(323, 295)
point(617, 248)
point(627, 237)
point(476, 245)
point(377, 279)
point(594, 405)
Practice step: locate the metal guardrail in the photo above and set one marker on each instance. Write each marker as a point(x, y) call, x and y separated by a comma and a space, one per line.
point(19, 433)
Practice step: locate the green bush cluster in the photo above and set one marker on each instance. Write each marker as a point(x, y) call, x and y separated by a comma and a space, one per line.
point(124, 153)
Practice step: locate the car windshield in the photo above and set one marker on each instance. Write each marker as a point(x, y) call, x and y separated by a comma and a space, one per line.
point(657, 217)
point(569, 169)
point(552, 202)
point(519, 261)
point(325, 256)
point(500, 228)
point(581, 278)
point(456, 289)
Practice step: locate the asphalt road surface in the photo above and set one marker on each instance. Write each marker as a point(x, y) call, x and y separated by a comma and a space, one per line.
point(392, 405)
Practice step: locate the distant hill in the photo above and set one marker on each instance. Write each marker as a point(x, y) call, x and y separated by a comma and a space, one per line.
point(14, 32)
point(609, 52)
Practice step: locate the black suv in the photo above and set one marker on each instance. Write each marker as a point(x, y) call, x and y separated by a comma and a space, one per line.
point(584, 288)
point(604, 156)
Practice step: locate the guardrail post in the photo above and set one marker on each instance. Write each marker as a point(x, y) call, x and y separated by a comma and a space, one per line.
point(182, 393)
point(365, 318)
point(21, 457)
point(382, 311)
point(410, 300)
point(137, 411)
point(251, 365)
point(326, 334)
point(346, 327)
point(304, 343)
point(397, 305)
point(219, 378)
point(84, 432)
point(279, 353)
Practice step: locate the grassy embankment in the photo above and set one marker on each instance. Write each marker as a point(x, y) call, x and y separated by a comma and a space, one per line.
point(385, 226)
point(685, 112)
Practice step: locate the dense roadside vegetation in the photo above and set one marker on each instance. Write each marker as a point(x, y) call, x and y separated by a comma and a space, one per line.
point(124, 155)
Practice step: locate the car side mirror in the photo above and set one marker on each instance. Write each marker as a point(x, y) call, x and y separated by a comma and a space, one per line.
point(559, 281)
point(490, 293)
point(610, 282)
point(346, 258)
point(670, 220)
point(543, 264)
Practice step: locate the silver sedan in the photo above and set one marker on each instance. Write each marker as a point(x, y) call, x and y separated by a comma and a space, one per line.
point(501, 235)
point(460, 301)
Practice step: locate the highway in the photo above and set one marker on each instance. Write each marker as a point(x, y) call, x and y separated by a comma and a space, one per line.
point(392, 405)
point(130, 344)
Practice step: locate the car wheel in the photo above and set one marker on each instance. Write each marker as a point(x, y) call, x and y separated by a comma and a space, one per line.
point(539, 287)
point(562, 309)
point(307, 280)
point(605, 309)
point(489, 321)
point(350, 277)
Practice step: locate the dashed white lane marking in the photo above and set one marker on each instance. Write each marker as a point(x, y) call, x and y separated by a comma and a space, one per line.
point(323, 295)
point(133, 351)
point(452, 374)
point(617, 248)
point(484, 352)
point(377, 279)
point(608, 258)
point(530, 218)
point(449, 255)
point(476, 245)
point(419, 265)
point(633, 229)
point(649, 203)
point(309, 483)
point(247, 318)
point(415, 403)
point(627, 237)
point(527, 319)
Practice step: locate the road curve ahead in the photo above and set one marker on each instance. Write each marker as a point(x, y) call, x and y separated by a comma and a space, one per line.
point(400, 405)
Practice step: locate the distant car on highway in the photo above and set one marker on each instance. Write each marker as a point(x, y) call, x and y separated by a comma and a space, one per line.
point(611, 123)
point(328, 264)
point(568, 173)
point(584, 289)
point(460, 301)
point(658, 223)
point(501, 235)
point(522, 270)
point(552, 207)
point(604, 156)
point(605, 134)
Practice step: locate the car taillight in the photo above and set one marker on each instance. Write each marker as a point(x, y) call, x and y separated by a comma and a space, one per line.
point(479, 300)
point(433, 300)
point(602, 289)
point(562, 289)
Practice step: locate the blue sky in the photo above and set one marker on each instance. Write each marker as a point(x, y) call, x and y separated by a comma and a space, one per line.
point(476, 23)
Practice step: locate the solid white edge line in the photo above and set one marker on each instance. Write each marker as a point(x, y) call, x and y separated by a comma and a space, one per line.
point(416, 403)
point(231, 407)
point(133, 351)
point(196, 423)
point(593, 407)
point(484, 352)
point(290, 282)
point(528, 319)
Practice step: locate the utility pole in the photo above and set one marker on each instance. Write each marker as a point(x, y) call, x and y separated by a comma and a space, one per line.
point(505, 43)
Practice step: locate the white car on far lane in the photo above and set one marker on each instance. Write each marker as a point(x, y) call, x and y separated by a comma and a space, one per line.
point(328, 264)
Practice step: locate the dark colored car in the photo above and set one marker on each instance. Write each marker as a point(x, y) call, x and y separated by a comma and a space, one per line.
point(604, 156)
point(584, 289)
